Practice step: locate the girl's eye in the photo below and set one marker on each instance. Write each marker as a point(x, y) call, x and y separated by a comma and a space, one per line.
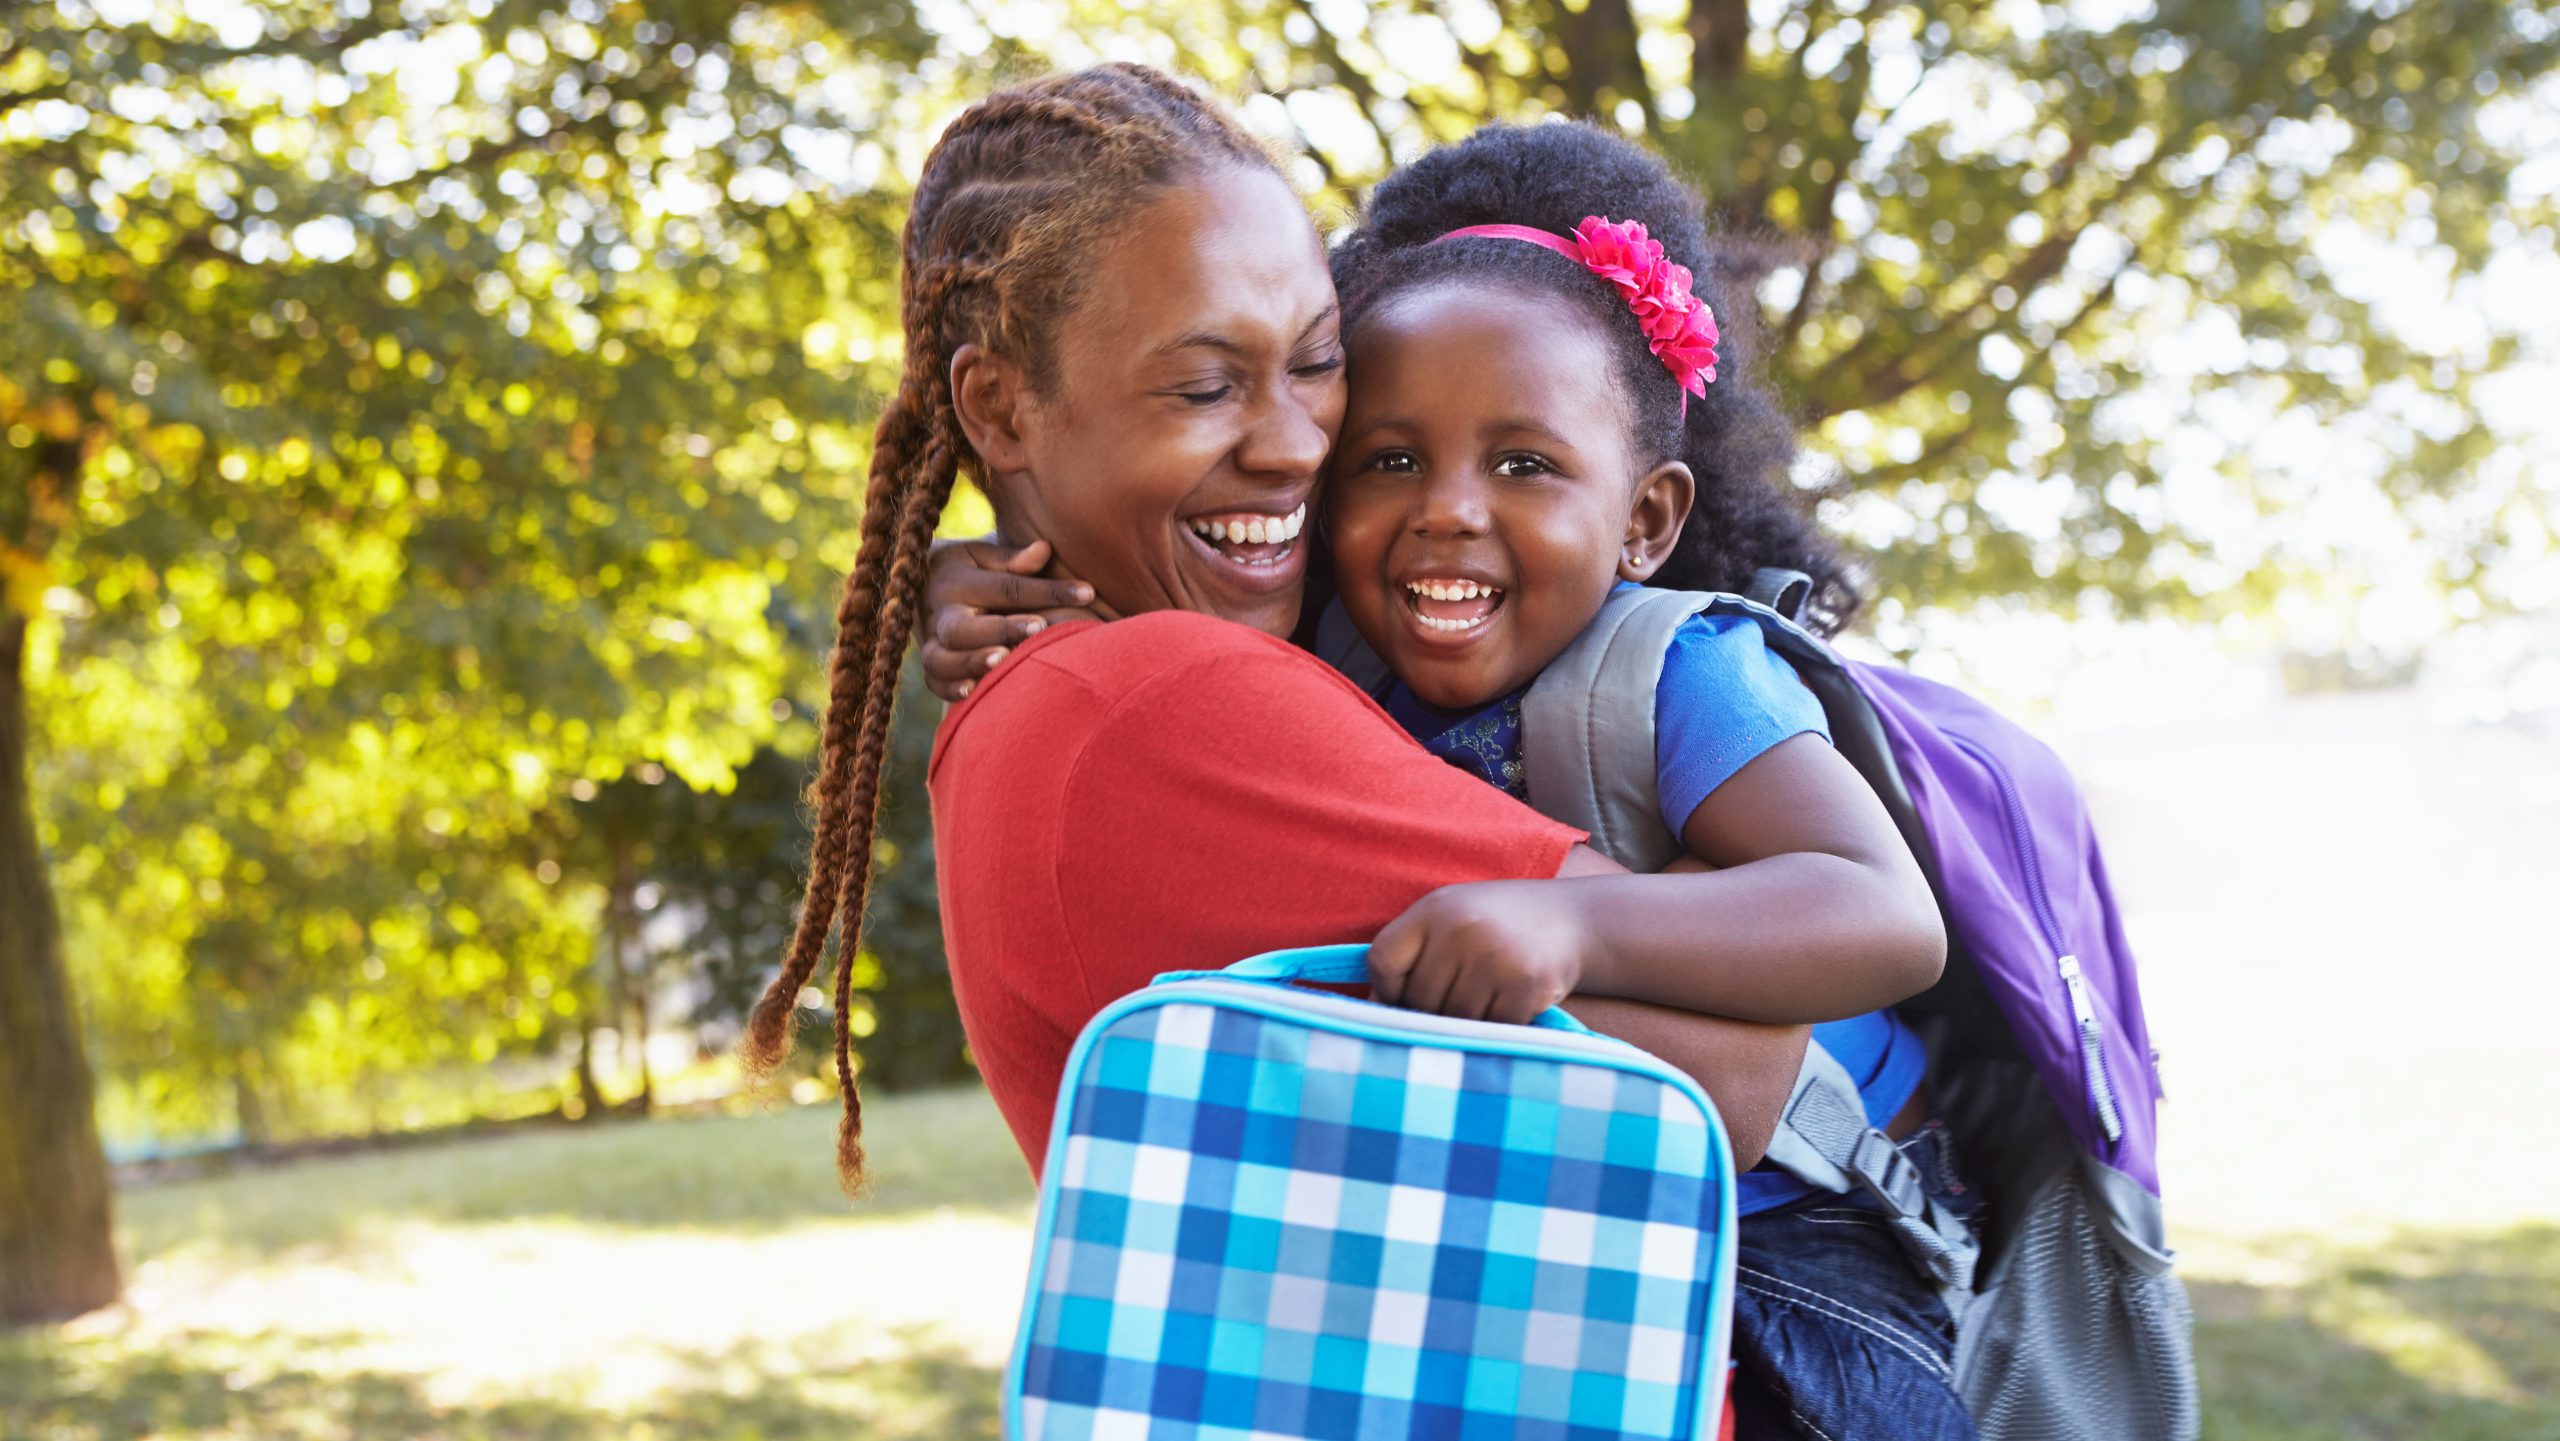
point(1521, 467)
point(1394, 462)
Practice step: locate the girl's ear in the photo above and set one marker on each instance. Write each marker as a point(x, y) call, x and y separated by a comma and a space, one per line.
point(990, 395)
point(1662, 506)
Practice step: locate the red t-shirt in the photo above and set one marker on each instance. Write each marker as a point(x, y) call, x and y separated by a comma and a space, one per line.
point(1174, 792)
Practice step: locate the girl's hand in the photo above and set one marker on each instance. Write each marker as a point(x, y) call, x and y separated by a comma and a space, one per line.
point(981, 599)
point(1484, 950)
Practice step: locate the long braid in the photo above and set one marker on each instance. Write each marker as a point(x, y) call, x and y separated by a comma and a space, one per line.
point(912, 446)
point(1016, 191)
point(768, 1037)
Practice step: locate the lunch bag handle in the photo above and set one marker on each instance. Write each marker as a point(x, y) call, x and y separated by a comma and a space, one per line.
point(1331, 966)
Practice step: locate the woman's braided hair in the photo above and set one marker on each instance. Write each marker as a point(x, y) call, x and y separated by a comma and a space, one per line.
point(1735, 439)
point(1017, 191)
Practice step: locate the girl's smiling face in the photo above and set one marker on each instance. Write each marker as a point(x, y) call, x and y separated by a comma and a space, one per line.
point(1483, 498)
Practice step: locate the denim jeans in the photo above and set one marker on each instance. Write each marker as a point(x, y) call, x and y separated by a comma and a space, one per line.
point(1836, 1335)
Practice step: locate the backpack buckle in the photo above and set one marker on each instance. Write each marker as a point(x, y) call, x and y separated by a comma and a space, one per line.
point(1940, 1245)
point(1882, 1171)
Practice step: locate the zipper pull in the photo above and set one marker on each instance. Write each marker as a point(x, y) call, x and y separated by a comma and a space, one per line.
point(2093, 1051)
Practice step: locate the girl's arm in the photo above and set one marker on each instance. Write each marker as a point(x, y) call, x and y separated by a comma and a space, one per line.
point(981, 599)
point(1816, 912)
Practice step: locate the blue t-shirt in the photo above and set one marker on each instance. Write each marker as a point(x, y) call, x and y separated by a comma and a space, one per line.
point(1724, 698)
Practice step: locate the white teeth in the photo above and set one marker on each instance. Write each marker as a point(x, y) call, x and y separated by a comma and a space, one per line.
point(1255, 530)
point(1451, 589)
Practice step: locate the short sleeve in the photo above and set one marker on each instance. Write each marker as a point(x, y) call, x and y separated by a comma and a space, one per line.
point(1250, 799)
point(1724, 698)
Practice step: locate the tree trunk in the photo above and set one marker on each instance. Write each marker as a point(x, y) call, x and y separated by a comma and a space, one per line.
point(1720, 31)
point(590, 1093)
point(57, 1242)
point(621, 929)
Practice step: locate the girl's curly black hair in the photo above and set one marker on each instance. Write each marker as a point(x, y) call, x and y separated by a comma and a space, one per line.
point(1736, 440)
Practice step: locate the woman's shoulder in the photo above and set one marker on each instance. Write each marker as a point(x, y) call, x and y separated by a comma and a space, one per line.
point(1123, 654)
point(1148, 672)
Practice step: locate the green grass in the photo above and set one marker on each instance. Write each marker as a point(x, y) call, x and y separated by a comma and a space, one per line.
point(701, 1280)
point(2447, 1337)
point(754, 1173)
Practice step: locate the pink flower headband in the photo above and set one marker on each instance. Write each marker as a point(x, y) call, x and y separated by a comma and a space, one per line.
point(1677, 325)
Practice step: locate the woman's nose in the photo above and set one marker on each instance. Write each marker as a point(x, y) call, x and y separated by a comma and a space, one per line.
point(1286, 440)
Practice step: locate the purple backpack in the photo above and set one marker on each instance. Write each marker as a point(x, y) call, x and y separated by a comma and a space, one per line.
point(2070, 1323)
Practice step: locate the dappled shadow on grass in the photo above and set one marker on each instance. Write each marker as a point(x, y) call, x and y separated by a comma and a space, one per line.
point(2440, 1337)
point(278, 1388)
point(738, 1174)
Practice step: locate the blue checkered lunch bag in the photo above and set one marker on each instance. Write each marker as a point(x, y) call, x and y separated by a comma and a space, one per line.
point(1278, 1212)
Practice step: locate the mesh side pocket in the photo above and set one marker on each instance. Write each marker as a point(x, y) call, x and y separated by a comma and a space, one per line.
point(2074, 1341)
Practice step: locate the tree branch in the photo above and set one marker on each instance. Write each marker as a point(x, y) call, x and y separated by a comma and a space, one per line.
point(2039, 364)
point(1363, 94)
point(1600, 54)
point(1821, 218)
point(1969, 326)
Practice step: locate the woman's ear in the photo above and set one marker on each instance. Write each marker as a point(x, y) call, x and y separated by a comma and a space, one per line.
point(1662, 506)
point(989, 393)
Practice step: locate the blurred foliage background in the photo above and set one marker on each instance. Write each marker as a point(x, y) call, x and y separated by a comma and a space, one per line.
point(431, 434)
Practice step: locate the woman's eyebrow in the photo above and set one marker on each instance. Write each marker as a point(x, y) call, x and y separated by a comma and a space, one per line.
point(1206, 338)
point(1318, 323)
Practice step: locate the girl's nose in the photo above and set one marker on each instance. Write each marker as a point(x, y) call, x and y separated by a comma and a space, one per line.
point(1450, 501)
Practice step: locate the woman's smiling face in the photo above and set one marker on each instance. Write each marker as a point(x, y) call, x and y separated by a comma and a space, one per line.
point(1195, 388)
point(1484, 498)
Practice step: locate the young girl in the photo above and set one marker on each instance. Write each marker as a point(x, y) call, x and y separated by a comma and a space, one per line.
point(1542, 408)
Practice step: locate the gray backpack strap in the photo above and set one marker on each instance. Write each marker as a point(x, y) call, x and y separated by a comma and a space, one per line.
point(1586, 727)
point(1823, 1138)
point(1338, 644)
point(1587, 740)
point(1784, 591)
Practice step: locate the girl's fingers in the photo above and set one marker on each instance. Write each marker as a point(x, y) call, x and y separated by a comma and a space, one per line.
point(1003, 591)
point(1471, 995)
point(1428, 985)
point(1391, 956)
point(1029, 559)
point(970, 631)
point(948, 674)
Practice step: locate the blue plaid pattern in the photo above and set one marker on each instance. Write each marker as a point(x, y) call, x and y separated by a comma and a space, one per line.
point(1261, 1228)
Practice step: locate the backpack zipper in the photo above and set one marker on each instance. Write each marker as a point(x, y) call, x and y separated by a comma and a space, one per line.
point(2084, 1014)
point(2093, 1051)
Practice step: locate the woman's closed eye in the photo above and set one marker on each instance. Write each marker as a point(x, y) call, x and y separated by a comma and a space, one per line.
point(1317, 367)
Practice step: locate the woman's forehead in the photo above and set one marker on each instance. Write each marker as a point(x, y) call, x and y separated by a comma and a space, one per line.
point(1226, 263)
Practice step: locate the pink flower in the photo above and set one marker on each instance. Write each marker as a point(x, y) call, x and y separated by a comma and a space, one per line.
point(1677, 326)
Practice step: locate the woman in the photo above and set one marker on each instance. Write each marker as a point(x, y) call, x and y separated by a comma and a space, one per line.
point(1118, 317)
